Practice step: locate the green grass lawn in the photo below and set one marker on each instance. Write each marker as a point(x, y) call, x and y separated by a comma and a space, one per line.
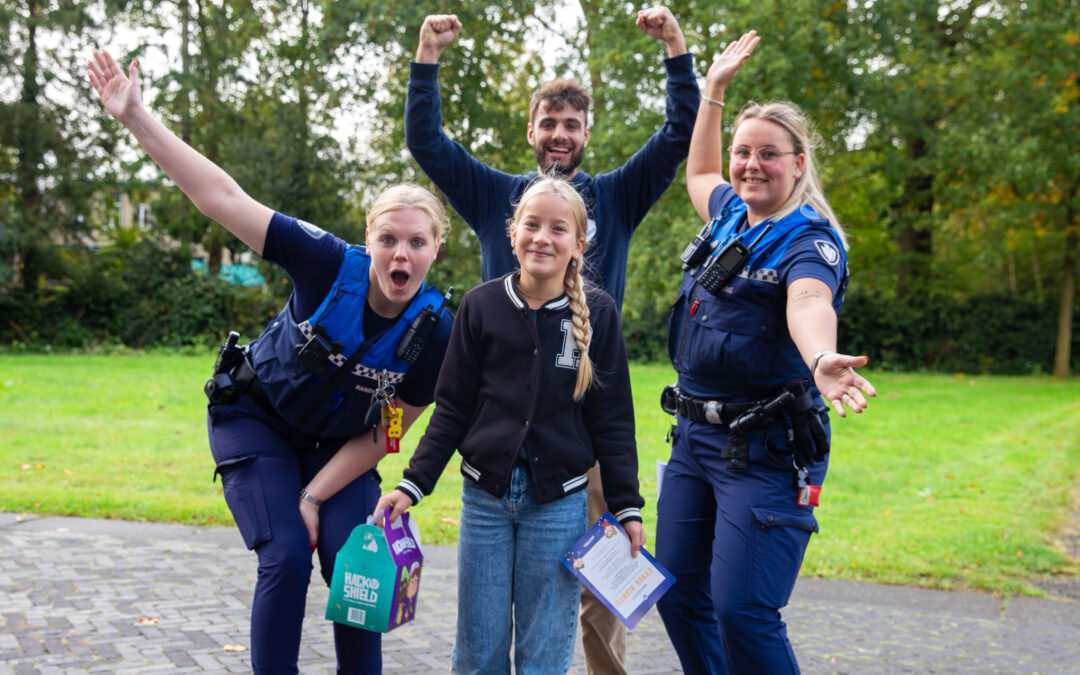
point(946, 481)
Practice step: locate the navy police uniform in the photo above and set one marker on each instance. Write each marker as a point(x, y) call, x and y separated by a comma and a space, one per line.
point(276, 436)
point(731, 532)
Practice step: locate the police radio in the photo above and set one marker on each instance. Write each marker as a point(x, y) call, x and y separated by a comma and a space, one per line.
point(700, 247)
point(416, 338)
point(727, 264)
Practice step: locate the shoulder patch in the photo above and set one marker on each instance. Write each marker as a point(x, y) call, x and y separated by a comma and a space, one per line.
point(313, 231)
point(590, 229)
point(828, 251)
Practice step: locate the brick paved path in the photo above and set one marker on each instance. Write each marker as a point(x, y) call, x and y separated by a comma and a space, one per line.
point(80, 595)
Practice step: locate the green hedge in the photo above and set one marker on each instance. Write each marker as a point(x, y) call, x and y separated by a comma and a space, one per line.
point(995, 334)
point(145, 295)
point(138, 296)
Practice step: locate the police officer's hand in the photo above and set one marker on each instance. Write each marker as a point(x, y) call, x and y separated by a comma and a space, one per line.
point(840, 385)
point(309, 513)
point(436, 33)
point(723, 69)
point(397, 501)
point(637, 535)
point(119, 93)
point(660, 24)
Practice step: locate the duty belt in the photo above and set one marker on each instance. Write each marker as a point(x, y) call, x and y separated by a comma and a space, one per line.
point(712, 411)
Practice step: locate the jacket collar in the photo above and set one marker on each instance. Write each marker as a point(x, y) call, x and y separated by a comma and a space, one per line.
point(515, 297)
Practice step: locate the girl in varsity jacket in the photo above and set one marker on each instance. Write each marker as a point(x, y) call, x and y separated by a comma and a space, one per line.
point(534, 390)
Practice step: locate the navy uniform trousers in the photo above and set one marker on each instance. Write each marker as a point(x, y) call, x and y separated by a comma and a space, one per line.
point(263, 466)
point(734, 540)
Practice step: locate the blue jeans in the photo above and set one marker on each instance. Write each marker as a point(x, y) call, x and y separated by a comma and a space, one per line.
point(263, 464)
point(510, 575)
point(734, 539)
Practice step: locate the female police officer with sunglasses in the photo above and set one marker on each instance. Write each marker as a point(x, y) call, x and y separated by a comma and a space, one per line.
point(291, 419)
point(753, 338)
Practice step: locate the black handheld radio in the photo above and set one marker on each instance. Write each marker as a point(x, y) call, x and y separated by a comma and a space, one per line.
point(727, 264)
point(416, 338)
point(700, 247)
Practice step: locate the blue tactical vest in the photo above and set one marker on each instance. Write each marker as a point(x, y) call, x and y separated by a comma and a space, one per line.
point(333, 403)
point(735, 345)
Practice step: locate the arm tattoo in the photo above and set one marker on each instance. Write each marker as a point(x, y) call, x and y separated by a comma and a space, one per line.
point(808, 295)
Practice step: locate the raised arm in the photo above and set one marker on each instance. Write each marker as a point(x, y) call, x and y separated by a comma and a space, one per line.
point(812, 323)
point(436, 33)
point(705, 163)
point(659, 23)
point(212, 190)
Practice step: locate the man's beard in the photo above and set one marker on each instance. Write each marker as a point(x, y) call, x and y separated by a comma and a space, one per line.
point(562, 167)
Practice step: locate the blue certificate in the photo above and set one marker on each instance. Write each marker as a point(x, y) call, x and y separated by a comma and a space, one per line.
point(628, 586)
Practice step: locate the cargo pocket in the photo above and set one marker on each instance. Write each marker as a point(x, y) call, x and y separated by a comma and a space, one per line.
point(778, 542)
point(244, 495)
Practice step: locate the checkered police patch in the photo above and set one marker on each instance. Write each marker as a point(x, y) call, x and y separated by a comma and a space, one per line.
point(828, 251)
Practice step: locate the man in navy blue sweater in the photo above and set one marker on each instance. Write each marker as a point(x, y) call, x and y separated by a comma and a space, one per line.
point(617, 201)
point(558, 132)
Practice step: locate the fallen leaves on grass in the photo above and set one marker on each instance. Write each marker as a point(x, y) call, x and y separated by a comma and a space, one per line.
point(451, 521)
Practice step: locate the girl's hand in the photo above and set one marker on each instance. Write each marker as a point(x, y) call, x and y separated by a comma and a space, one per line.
point(637, 536)
point(120, 93)
point(397, 501)
point(723, 70)
point(309, 513)
point(839, 384)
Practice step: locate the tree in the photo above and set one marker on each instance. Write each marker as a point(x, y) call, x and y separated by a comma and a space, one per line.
point(1017, 130)
point(914, 55)
point(41, 135)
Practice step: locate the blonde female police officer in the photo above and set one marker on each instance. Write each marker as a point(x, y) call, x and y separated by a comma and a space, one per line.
point(752, 337)
point(289, 425)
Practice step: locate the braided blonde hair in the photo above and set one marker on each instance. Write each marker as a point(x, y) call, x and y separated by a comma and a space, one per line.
point(573, 281)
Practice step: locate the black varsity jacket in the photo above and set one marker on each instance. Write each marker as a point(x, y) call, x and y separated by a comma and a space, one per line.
point(489, 403)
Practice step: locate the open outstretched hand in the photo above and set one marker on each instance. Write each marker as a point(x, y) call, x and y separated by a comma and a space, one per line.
point(119, 92)
point(839, 384)
point(723, 70)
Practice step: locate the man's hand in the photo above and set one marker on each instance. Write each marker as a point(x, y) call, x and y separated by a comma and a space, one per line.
point(659, 23)
point(437, 32)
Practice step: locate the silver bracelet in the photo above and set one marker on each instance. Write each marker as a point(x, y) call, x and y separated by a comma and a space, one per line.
point(308, 497)
point(712, 101)
point(817, 357)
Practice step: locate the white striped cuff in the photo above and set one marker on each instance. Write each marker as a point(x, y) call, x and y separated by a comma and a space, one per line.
point(412, 489)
